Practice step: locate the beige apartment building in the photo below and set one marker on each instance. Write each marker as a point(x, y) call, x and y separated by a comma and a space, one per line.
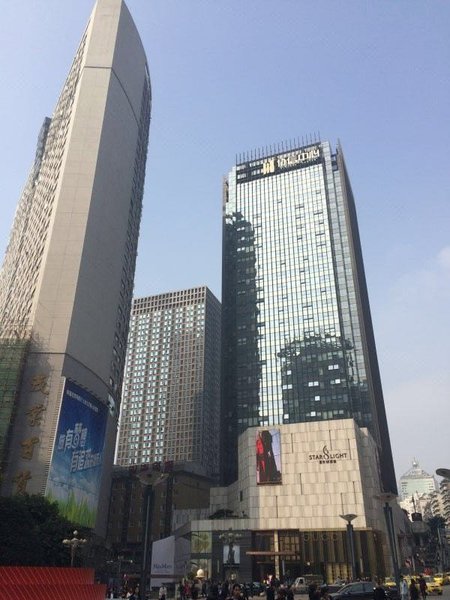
point(67, 278)
point(171, 394)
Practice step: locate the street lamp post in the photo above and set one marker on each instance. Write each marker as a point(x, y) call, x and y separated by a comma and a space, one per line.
point(387, 509)
point(149, 479)
point(351, 542)
point(445, 473)
point(73, 545)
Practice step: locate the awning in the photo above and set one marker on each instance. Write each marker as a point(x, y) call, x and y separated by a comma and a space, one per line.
point(270, 553)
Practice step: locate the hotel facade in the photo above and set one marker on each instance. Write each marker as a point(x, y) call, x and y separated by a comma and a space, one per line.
point(171, 394)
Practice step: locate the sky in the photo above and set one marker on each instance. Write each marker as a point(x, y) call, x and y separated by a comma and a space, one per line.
point(230, 76)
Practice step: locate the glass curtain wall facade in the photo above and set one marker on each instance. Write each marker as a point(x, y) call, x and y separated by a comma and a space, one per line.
point(298, 342)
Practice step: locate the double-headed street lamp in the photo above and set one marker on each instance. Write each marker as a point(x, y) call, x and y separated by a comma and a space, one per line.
point(387, 497)
point(73, 544)
point(351, 542)
point(149, 479)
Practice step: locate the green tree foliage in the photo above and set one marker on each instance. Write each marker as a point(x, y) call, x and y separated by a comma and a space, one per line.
point(435, 523)
point(31, 532)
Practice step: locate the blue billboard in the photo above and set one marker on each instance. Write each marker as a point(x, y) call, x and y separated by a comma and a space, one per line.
point(76, 467)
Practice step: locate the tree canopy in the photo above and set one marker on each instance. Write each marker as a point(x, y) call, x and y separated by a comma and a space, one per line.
point(31, 532)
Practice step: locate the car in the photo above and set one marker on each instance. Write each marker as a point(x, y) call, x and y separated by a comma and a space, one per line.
point(361, 590)
point(301, 584)
point(389, 582)
point(254, 588)
point(433, 588)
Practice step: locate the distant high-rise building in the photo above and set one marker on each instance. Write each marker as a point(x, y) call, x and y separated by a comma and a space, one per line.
point(171, 394)
point(67, 278)
point(298, 341)
point(416, 481)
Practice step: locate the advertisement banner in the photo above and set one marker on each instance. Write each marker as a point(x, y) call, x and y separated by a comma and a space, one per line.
point(231, 554)
point(163, 558)
point(75, 471)
point(268, 456)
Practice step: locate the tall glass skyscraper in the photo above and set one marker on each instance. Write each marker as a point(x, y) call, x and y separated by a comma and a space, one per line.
point(298, 342)
point(67, 279)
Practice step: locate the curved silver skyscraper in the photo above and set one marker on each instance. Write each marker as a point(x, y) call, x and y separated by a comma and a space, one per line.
point(67, 278)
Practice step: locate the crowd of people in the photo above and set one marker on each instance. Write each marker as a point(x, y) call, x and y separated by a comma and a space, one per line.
point(415, 589)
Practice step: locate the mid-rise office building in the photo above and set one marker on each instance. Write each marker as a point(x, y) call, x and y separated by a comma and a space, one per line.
point(67, 278)
point(171, 394)
point(298, 343)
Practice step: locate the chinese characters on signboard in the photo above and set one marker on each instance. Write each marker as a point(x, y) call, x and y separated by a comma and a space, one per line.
point(75, 471)
point(290, 159)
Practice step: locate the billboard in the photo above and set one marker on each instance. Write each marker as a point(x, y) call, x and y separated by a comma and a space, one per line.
point(268, 456)
point(163, 561)
point(231, 554)
point(75, 471)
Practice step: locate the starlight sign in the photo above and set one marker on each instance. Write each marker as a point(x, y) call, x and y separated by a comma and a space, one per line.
point(327, 456)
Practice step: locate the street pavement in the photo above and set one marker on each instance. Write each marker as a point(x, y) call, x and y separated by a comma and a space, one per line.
point(445, 596)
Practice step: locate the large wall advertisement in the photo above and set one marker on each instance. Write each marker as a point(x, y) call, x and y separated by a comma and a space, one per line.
point(268, 456)
point(75, 471)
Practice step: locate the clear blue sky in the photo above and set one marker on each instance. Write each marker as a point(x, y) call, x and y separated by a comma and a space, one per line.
point(232, 75)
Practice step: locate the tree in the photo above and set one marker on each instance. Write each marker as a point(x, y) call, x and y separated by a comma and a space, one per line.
point(435, 523)
point(31, 532)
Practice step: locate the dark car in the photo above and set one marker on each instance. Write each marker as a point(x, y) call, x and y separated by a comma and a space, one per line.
point(360, 590)
point(255, 588)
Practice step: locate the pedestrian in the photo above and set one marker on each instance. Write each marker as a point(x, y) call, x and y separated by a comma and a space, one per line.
point(181, 591)
point(282, 593)
point(312, 590)
point(213, 592)
point(196, 589)
point(404, 592)
point(290, 593)
point(379, 593)
point(324, 593)
point(236, 593)
point(413, 590)
point(224, 590)
point(270, 592)
point(423, 587)
point(162, 592)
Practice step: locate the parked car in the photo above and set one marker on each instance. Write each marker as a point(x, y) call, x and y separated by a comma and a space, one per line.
point(301, 584)
point(361, 590)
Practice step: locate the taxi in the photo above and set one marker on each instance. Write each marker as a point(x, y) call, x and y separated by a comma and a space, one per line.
point(389, 582)
point(433, 588)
